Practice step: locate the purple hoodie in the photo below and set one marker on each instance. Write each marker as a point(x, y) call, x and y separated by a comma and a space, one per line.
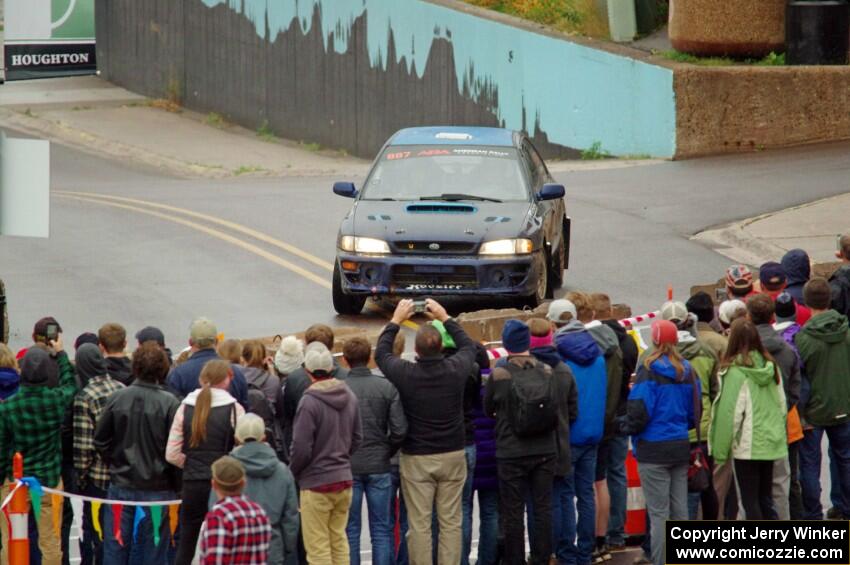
point(326, 431)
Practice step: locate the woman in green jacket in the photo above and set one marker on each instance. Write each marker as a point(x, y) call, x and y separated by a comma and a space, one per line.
point(748, 418)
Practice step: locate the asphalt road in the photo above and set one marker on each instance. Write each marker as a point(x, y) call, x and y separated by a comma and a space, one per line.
point(129, 261)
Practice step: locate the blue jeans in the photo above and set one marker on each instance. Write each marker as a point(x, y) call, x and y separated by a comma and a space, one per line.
point(580, 486)
point(618, 448)
point(378, 489)
point(810, 461)
point(401, 552)
point(835, 496)
point(467, 504)
point(488, 527)
point(141, 551)
point(562, 513)
point(91, 546)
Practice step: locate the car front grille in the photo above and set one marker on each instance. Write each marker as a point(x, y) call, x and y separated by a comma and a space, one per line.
point(434, 247)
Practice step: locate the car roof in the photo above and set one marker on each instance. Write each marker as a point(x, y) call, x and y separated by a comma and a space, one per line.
point(454, 135)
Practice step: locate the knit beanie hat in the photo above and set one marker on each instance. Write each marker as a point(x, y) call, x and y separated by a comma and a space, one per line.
point(786, 308)
point(701, 305)
point(448, 340)
point(516, 337)
point(664, 331)
point(38, 368)
point(290, 354)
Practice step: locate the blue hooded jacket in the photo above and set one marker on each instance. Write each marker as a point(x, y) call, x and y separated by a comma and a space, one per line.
point(580, 352)
point(9, 382)
point(660, 411)
point(798, 269)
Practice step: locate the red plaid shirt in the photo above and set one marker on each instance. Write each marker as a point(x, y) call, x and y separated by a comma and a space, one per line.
point(236, 530)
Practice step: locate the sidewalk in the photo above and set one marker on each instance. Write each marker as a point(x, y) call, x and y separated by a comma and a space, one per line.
point(93, 115)
point(812, 227)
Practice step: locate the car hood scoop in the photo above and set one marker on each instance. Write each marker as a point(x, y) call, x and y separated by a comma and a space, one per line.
point(440, 208)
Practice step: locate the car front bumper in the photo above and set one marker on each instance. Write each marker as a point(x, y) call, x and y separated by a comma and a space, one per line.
point(417, 275)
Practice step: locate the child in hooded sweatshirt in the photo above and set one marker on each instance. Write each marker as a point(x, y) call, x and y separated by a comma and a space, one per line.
point(661, 409)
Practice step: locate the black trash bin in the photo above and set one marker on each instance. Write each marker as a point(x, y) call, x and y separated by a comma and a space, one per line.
point(817, 32)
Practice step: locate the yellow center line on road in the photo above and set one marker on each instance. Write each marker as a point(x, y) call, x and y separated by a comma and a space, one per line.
point(260, 236)
point(211, 232)
point(118, 202)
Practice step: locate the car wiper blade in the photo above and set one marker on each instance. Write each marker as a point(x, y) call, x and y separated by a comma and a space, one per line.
point(456, 197)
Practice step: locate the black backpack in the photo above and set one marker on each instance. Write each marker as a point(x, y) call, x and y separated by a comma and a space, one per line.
point(532, 403)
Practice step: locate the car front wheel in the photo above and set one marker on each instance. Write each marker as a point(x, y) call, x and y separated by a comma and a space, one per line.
point(542, 289)
point(345, 304)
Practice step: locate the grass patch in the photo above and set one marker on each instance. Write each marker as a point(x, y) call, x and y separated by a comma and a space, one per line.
point(313, 147)
point(771, 60)
point(265, 132)
point(594, 152)
point(636, 157)
point(247, 170)
point(164, 104)
point(79, 108)
point(214, 119)
point(29, 113)
point(570, 16)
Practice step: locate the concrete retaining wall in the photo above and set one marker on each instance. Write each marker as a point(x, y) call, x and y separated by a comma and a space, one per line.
point(741, 109)
point(348, 73)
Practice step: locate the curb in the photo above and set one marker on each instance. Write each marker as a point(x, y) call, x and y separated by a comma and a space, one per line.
point(99, 146)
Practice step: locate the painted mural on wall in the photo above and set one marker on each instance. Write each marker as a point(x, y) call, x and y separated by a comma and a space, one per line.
point(347, 73)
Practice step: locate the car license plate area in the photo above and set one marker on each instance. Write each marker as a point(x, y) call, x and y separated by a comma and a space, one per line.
point(434, 277)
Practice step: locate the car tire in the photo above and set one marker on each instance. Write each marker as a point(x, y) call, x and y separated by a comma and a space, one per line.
point(345, 304)
point(556, 269)
point(543, 289)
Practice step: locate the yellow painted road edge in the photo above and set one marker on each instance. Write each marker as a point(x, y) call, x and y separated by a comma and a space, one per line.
point(117, 202)
point(265, 238)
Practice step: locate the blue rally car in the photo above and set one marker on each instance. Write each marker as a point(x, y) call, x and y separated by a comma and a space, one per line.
point(452, 211)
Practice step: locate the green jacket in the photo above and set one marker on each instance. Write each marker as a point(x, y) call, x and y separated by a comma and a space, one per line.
point(824, 346)
point(31, 423)
point(705, 363)
point(748, 417)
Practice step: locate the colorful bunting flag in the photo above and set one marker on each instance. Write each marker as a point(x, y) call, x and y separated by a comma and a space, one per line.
point(173, 519)
point(137, 519)
point(56, 502)
point(95, 518)
point(156, 521)
point(35, 494)
point(116, 523)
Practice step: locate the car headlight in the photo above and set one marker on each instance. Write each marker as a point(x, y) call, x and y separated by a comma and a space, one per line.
point(363, 244)
point(507, 247)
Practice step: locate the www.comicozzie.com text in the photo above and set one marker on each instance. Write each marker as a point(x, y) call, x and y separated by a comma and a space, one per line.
point(744, 532)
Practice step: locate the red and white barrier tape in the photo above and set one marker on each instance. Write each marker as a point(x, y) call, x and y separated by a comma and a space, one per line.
point(631, 322)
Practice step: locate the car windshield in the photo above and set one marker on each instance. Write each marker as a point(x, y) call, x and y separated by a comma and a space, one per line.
point(450, 172)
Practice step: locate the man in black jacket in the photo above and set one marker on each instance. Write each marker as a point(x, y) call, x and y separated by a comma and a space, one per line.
point(432, 462)
point(131, 437)
point(526, 458)
point(384, 428)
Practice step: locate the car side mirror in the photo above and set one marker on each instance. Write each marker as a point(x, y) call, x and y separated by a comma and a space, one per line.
point(550, 191)
point(345, 189)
